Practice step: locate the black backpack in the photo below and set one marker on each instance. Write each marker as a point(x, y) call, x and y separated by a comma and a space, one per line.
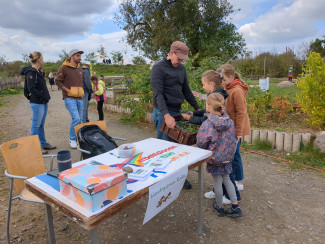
point(93, 139)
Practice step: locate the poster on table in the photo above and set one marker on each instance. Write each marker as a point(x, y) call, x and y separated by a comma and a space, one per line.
point(164, 193)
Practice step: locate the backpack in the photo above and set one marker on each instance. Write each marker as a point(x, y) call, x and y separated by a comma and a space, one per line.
point(93, 139)
point(27, 93)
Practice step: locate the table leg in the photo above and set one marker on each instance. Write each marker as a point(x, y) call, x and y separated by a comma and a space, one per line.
point(93, 236)
point(50, 228)
point(200, 200)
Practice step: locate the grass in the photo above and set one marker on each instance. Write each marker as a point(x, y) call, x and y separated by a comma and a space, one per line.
point(308, 156)
point(258, 145)
point(10, 92)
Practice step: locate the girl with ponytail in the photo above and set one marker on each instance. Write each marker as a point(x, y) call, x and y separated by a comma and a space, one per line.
point(218, 135)
point(237, 110)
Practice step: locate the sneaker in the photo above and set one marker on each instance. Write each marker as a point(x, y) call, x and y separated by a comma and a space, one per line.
point(48, 146)
point(210, 195)
point(187, 185)
point(73, 144)
point(44, 151)
point(225, 200)
point(240, 186)
point(220, 211)
point(234, 213)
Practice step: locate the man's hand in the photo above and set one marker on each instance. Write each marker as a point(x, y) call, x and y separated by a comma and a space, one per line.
point(186, 116)
point(239, 137)
point(170, 121)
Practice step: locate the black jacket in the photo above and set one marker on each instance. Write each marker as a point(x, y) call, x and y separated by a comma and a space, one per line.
point(87, 83)
point(170, 87)
point(36, 85)
point(198, 116)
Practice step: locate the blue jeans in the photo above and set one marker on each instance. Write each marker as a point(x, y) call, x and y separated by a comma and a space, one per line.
point(75, 108)
point(237, 164)
point(157, 118)
point(85, 107)
point(38, 121)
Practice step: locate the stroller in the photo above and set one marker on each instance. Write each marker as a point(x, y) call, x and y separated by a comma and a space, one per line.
point(93, 139)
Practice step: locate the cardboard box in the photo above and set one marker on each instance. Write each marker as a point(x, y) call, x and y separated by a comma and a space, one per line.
point(93, 185)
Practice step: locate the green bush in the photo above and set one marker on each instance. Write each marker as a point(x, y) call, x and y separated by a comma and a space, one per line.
point(312, 87)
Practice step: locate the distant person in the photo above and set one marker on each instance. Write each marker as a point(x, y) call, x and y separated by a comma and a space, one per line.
point(39, 98)
point(104, 61)
point(217, 134)
point(170, 87)
point(87, 92)
point(109, 61)
point(70, 80)
point(99, 95)
point(101, 77)
point(51, 80)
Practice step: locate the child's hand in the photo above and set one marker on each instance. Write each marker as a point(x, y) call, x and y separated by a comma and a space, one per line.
point(186, 116)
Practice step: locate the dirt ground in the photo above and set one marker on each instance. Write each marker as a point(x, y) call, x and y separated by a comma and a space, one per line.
point(280, 205)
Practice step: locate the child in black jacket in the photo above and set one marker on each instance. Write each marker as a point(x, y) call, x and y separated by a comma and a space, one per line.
point(212, 83)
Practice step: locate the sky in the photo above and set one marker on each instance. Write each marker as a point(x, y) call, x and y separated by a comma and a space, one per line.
point(50, 26)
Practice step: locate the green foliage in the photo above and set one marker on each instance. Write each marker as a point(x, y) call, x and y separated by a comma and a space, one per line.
point(11, 69)
point(101, 53)
point(91, 58)
point(142, 88)
point(276, 65)
point(308, 156)
point(117, 57)
point(139, 60)
point(318, 46)
point(152, 26)
point(312, 87)
point(63, 56)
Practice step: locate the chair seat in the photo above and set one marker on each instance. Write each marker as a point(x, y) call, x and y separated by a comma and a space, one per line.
point(27, 195)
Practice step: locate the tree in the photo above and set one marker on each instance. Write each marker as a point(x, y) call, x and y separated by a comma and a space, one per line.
point(63, 56)
point(139, 60)
point(153, 25)
point(3, 59)
point(25, 58)
point(318, 46)
point(91, 58)
point(117, 57)
point(101, 53)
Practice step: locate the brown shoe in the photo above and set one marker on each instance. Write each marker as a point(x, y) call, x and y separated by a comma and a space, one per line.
point(48, 146)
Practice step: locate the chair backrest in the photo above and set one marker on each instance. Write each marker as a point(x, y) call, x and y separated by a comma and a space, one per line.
point(100, 123)
point(23, 157)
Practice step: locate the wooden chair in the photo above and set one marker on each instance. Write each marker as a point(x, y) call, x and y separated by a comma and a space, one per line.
point(101, 124)
point(23, 159)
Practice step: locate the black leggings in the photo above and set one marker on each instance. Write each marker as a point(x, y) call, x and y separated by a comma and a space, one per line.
point(100, 110)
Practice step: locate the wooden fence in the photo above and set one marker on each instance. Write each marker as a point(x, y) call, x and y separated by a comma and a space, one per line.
point(11, 82)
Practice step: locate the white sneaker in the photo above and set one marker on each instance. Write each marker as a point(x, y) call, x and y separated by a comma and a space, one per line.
point(210, 195)
point(225, 200)
point(240, 186)
point(73, 144)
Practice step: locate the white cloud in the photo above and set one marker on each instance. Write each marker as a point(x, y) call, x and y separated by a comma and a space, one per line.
point(286, 23)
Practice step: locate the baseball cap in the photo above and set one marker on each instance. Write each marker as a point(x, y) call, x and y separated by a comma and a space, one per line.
point(180, 49)
point(74, 51)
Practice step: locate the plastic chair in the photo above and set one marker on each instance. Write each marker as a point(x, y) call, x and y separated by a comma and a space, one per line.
point(101, 124)
point(23, 159)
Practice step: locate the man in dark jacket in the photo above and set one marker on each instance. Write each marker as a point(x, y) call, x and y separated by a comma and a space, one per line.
point(87, 92)
point(170, 88)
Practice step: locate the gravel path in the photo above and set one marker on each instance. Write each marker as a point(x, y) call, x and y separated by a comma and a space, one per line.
point(280, 205)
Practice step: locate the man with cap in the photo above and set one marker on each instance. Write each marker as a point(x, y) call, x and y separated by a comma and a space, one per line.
point(70, 79)
point(170, 88)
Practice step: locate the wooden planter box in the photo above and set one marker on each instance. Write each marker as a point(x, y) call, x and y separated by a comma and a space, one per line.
point(178, 134)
